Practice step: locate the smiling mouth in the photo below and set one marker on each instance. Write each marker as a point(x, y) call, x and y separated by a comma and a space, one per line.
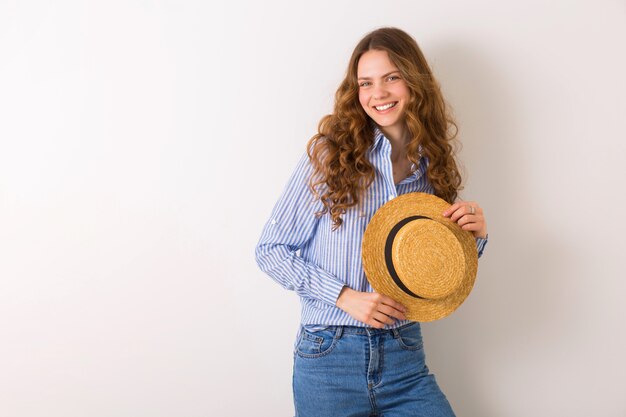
point(386, 106)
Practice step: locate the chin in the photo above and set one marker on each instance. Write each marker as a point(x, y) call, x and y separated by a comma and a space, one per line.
point(386, 123)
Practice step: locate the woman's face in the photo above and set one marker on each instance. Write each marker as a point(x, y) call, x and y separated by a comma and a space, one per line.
point(383, 93)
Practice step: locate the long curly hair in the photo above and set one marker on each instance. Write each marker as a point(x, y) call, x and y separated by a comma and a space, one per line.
point(341, 170)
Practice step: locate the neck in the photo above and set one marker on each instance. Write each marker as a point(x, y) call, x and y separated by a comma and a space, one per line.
point(399, 138)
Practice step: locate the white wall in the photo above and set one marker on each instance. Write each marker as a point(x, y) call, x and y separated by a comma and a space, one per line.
point(144, 143)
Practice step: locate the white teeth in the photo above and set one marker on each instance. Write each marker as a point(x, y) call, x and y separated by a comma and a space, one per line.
point(385, 107)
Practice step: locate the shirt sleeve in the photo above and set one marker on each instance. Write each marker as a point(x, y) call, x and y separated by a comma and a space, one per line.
point(292, 224)
point(480, 244)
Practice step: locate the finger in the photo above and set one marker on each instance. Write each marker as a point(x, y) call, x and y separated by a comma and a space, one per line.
point(392, 312)
point(454, 207)
point(477, 208)
point(393, 303)
point(375, 324)
point(469, 218)
point(383, 318)
point(460, 212)
point(472, 227)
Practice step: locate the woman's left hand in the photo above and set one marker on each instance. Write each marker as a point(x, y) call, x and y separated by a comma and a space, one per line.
point(469, 216)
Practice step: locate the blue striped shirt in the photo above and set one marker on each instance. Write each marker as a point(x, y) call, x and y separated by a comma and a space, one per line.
point(301, 252)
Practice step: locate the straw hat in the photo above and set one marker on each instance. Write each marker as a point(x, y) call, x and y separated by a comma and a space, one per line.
point(418, 257)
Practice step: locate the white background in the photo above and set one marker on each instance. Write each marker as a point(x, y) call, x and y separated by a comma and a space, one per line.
point(143, 145)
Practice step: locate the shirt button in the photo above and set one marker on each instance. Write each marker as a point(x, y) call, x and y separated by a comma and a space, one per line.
point(273, 221)
point(389, 197)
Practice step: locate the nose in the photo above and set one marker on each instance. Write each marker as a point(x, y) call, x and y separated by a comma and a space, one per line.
point(379, 92)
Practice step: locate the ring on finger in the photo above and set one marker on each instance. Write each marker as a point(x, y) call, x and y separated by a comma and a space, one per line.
point(472, 210)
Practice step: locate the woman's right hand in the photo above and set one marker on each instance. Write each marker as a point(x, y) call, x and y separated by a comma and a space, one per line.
point(370, 308)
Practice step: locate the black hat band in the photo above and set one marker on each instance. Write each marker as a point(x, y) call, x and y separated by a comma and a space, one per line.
point(388, 258)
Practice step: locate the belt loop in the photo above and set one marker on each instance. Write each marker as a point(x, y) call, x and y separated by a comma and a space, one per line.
point(396, 333)
point(338, 332)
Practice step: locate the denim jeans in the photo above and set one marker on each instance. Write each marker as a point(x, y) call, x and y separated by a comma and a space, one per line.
point(360, 371)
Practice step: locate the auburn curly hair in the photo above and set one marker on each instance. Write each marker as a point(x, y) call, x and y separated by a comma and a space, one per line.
point(341, 170)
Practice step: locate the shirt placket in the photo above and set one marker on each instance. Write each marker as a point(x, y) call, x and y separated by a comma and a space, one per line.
point(391, 190)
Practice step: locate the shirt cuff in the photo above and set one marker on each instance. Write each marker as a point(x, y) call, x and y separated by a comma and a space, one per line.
point(332, 288)
point(480, 244)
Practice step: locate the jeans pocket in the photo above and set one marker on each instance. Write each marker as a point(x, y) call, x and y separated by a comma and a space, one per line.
point(409, 337)
point(316, 344)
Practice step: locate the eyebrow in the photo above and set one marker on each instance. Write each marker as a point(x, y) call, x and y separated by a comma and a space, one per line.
point(368, 78)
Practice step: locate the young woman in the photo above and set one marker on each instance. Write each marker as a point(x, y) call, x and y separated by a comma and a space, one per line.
point(390, 133)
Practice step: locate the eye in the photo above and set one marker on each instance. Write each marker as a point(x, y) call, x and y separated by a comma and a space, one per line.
point(393, 77)
point(364, 84)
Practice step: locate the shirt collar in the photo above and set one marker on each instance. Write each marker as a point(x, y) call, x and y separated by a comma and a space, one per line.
point(379, 136)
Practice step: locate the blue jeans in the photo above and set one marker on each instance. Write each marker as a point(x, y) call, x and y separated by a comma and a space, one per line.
point(360, 371)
